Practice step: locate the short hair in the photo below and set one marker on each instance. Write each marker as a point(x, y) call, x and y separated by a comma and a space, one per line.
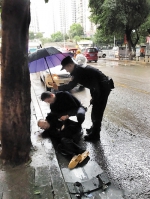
point(39, 121)
point(45, 95)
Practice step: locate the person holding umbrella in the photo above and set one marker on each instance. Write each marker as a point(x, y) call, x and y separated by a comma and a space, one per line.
point(100, 86)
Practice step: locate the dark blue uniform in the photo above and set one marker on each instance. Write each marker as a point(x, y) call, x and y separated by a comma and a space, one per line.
point(67, 104)
point(67, 138)
point(100, 86)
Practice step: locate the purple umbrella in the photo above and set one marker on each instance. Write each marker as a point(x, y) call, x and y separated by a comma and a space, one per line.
point(45, 58)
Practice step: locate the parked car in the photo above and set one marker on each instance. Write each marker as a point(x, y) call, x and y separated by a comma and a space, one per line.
point(59, 76)
point(101, 54)
point(105, 51)
point(90, 53)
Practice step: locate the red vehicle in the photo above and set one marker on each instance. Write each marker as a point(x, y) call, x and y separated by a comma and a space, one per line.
point(90, 53)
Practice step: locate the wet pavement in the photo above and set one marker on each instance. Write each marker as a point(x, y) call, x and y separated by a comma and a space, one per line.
point(123, 150)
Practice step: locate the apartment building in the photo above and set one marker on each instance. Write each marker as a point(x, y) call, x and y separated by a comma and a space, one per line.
point(59, 15)
point(83, 14)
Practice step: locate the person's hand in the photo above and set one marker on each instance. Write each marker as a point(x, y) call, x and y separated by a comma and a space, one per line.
point(55, 86)
point(64, 117)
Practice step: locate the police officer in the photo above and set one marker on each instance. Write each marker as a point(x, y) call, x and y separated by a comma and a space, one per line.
point(64, 104)
point(100, 86)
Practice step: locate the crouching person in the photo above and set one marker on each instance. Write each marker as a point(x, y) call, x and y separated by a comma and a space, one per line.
point(68, 134)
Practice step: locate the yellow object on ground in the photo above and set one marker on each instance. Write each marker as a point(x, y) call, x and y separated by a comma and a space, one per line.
point(83, 156)
point(77, 159)
point(74, 161)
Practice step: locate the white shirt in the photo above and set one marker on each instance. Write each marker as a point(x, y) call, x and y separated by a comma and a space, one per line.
point(81, 59)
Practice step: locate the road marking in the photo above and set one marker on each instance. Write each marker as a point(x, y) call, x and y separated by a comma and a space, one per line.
point(126, 86)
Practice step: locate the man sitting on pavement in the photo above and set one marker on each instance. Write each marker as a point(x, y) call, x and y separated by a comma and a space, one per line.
point(63, 104)
point(67, 133)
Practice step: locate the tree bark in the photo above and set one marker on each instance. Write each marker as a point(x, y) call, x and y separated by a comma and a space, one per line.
point(15, 82)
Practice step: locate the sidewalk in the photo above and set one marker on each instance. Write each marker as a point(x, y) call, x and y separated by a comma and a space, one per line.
point(40, 178)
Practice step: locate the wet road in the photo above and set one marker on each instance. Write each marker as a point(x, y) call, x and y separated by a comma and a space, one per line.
point(123, 150)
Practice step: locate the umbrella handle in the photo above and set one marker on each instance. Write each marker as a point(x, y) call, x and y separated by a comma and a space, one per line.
point(49, 70)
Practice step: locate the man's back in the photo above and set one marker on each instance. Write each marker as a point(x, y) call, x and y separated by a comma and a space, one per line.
point(64, 103)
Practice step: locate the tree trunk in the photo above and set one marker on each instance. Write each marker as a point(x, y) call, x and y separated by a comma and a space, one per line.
point(15, 82)
point(128, 35)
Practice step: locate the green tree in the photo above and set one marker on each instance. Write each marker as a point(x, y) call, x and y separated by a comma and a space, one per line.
point(15, 81)
point(144, 30)
point(99, 38)
point(45, 40)
point(39, 35)
point(120, 17)
point(75, 30)
point(31, 35)
point(56, 37)
point(76, 39)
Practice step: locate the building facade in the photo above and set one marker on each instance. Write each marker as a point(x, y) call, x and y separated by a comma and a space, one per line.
point(59, 15)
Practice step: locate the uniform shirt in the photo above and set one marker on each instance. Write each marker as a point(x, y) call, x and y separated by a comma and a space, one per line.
point(64, 104)
point(88, 76)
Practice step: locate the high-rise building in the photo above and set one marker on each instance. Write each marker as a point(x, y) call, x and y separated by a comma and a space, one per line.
point(34, 24)
point(63, 15)
point(83, 14)
point(59, 15)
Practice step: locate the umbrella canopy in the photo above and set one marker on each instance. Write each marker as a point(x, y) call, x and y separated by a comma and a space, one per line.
point(45, 58)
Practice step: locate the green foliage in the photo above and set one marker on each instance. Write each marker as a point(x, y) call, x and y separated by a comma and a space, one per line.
point(119, 17)
point(66, 37)
point(31, 35)
point(76, 30)
point(39, 35)
point(76, 39)
point(45, 40)
point(58, 36)
point(99, 38)
point(144, 30)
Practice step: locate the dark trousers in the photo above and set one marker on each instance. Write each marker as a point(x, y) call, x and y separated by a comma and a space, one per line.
point(79, 113)
point(99, 102)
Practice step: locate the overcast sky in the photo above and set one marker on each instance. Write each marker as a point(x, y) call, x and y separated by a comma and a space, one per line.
point(43, 11)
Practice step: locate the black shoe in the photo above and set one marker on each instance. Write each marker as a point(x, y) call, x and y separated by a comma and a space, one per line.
point(91, 137)
point(88, 131)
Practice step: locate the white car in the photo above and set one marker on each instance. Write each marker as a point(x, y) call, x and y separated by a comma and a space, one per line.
point(101, 54)
point(59, 76)
point(105, 52)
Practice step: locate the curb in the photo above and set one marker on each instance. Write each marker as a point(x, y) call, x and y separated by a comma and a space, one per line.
point(59, 187)
point(128, 61)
